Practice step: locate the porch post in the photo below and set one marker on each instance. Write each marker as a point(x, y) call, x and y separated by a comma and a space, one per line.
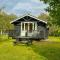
point(33, 27)
point(21, 26)
point(24, 26)
point(28, 27)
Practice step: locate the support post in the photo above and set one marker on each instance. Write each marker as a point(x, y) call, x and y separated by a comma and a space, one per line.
point(33, 26)
point(21, 27)
point(24, 26)
point(28, 27)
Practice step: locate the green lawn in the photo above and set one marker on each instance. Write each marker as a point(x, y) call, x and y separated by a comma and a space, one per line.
point(20, 52)
point(49, 50)
point(42, 50)
point(55, 39)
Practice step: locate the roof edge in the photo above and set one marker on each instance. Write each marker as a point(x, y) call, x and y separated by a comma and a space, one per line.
point(30, 16)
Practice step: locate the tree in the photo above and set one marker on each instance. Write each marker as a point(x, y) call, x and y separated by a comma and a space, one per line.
point(44, 17)
point(54, 14)
point(5, 21)
point(54, 10)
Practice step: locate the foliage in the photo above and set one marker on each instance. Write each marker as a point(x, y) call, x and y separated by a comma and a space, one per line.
point(54, 30)
point(44, 17)
point(54, 16)
point(5, 20)
point(4, 38)
point(54, 9)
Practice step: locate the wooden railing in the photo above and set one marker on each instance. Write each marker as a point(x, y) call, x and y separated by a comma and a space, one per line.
point(34, 33)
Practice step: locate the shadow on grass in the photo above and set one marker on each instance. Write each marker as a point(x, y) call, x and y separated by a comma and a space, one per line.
point(49, 50)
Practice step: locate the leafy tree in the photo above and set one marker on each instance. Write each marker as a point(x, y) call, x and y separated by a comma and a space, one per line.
point(54, 10)
point(54, 14)
point(5, 20)
point(44, 17)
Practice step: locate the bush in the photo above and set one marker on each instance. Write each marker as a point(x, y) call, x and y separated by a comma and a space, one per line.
point(54, 30)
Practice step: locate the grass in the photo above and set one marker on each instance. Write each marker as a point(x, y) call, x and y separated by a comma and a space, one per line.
point(5, 38)
point(50, 50)
point(55, 39)
point(43, 50)
point(22, 52)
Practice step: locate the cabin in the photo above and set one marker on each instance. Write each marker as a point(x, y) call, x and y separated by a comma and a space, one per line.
point(29, 28)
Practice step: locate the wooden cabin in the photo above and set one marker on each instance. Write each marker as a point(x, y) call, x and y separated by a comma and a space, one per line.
point(29, 27)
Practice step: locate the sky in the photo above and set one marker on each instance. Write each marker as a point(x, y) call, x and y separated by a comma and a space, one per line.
point(21, 7)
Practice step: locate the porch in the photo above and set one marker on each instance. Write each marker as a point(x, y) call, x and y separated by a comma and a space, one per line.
point(28, 29)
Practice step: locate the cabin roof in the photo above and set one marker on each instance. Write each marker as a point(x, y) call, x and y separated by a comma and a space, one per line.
point(26, 18)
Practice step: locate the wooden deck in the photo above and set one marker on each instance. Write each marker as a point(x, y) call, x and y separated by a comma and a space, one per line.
point(28, 37)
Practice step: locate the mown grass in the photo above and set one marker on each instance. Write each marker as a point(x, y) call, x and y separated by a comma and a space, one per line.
point(53, 38)
point(19, 52)
point(42, 50)
point(49, 49)
point(5, 38)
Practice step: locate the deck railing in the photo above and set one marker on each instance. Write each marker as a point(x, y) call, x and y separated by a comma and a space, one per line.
point(34, 33)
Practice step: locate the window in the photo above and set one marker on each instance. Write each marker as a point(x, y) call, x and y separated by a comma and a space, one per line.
point(30, 27)
point(26, 26)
